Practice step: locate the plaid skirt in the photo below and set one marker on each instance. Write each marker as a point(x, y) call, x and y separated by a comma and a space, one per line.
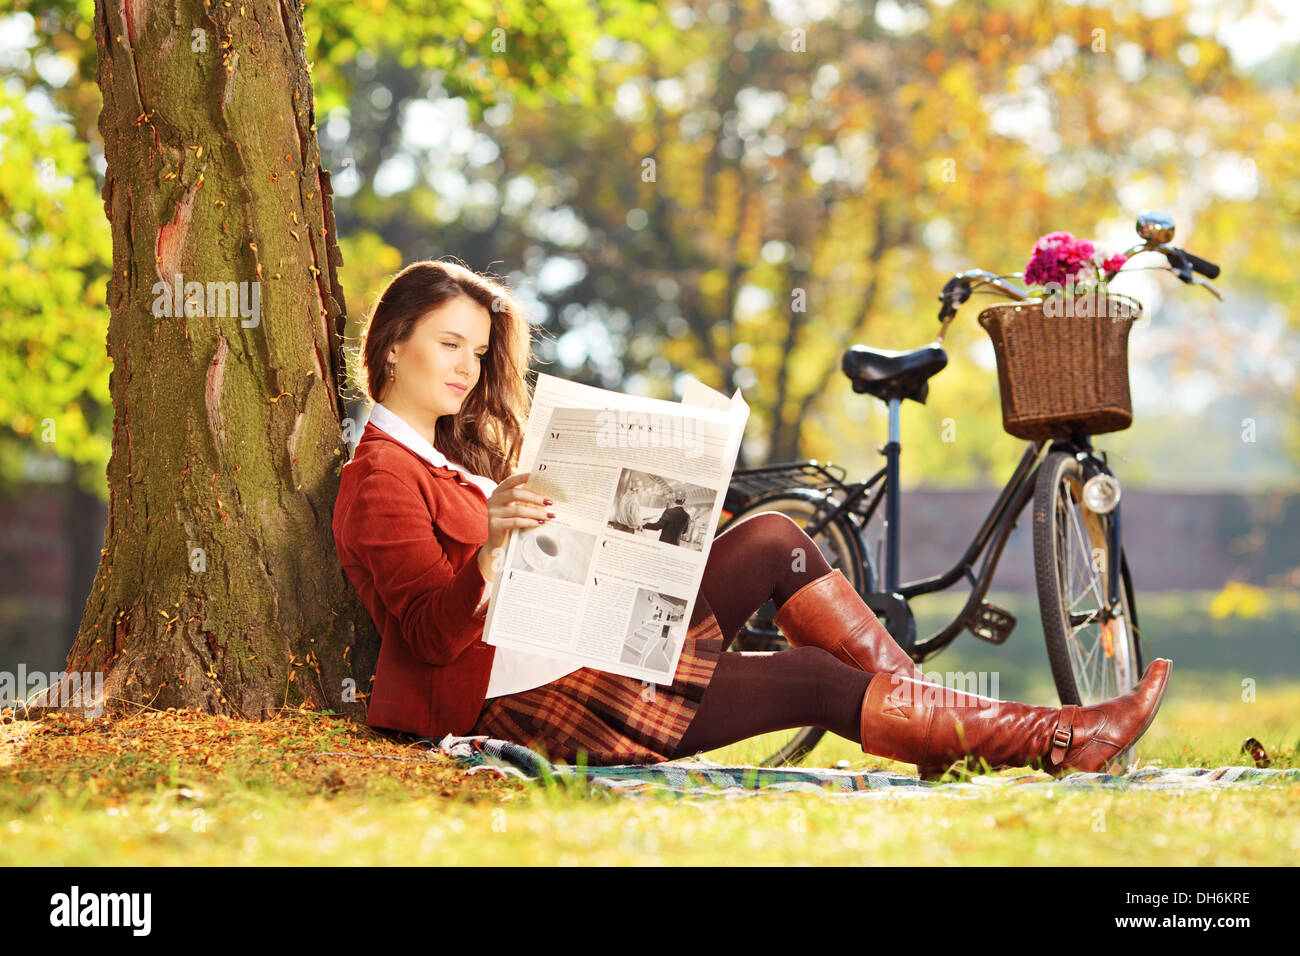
point(609, 718)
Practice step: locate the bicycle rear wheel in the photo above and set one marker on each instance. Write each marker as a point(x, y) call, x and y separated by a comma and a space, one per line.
point(838, 545)
point(1094, 652)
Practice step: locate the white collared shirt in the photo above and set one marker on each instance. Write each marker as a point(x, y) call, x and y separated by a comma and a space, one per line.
point(512, 671)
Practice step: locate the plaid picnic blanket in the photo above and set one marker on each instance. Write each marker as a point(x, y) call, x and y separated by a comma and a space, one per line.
point(697, 777)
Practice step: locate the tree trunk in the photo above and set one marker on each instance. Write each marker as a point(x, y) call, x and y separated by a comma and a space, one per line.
point(219, 587)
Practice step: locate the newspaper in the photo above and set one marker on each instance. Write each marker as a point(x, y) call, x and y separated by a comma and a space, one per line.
point(610, 582)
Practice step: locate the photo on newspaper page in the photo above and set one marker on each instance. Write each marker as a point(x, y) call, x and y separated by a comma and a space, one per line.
point(611, 581)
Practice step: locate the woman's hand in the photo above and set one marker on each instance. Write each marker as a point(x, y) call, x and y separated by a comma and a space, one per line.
point(511, 506)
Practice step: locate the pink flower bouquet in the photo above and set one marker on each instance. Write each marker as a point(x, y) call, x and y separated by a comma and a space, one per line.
point(1060, 260)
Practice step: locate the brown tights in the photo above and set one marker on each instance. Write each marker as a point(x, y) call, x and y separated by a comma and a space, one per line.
point(768, 557)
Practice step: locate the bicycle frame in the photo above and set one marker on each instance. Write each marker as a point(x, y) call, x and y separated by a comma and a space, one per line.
point(989, 541)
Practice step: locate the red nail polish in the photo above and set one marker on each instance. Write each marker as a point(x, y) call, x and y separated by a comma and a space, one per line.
point(547, 501)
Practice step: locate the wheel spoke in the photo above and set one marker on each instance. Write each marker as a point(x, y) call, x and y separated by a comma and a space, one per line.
point(1090, 634)
point(1084, 541)
point(1081, 673)
point(1079, 619)
point(1085, 634)
point(1073, 593)
point(1088, 657)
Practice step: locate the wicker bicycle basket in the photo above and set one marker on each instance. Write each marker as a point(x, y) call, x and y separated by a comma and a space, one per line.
point(1060, 371)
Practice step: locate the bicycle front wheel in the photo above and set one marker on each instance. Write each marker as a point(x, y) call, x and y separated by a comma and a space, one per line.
point(1093, 649)
point(837, 544)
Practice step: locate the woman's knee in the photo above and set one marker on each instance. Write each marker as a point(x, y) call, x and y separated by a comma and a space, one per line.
point(765, 529)
point(748, 541)
point(767, 520)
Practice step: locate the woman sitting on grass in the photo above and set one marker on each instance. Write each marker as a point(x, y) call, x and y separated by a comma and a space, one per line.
point(430, 496)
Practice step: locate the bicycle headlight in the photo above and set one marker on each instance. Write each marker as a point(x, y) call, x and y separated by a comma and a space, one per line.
point(1101, 494)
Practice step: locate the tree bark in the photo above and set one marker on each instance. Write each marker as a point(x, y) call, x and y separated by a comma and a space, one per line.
point(219, 587)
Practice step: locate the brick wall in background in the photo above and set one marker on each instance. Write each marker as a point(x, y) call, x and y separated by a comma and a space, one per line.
point(43, 583)
point(1175, 541)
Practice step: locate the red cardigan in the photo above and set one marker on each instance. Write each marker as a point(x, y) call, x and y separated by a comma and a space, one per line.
point(408, 534)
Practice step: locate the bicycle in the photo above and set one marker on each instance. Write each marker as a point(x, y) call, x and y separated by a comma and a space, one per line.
point(1095, 651)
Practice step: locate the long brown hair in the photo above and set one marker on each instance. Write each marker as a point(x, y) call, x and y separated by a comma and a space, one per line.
point(485, 435)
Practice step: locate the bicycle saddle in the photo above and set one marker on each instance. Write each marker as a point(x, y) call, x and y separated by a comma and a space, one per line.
point(887, 375)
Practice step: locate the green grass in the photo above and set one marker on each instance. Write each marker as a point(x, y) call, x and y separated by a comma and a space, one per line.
point(182, 788)
point(1237, 828)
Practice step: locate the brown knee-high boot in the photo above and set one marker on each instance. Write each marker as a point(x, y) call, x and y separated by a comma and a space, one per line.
point(932, 726)
point(829, 614)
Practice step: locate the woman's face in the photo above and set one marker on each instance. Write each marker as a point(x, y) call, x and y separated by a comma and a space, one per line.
point(446, 349)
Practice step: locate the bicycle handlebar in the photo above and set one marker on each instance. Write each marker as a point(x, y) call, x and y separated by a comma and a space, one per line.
point(1204, 266)
point(1156, 229)
point(1181, 262)
point(959, 288)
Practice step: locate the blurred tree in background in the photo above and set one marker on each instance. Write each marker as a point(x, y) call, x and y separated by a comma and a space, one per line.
point(771, 191)
point(736, 192)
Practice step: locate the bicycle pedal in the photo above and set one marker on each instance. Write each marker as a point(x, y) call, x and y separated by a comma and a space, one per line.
point(992, 623)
